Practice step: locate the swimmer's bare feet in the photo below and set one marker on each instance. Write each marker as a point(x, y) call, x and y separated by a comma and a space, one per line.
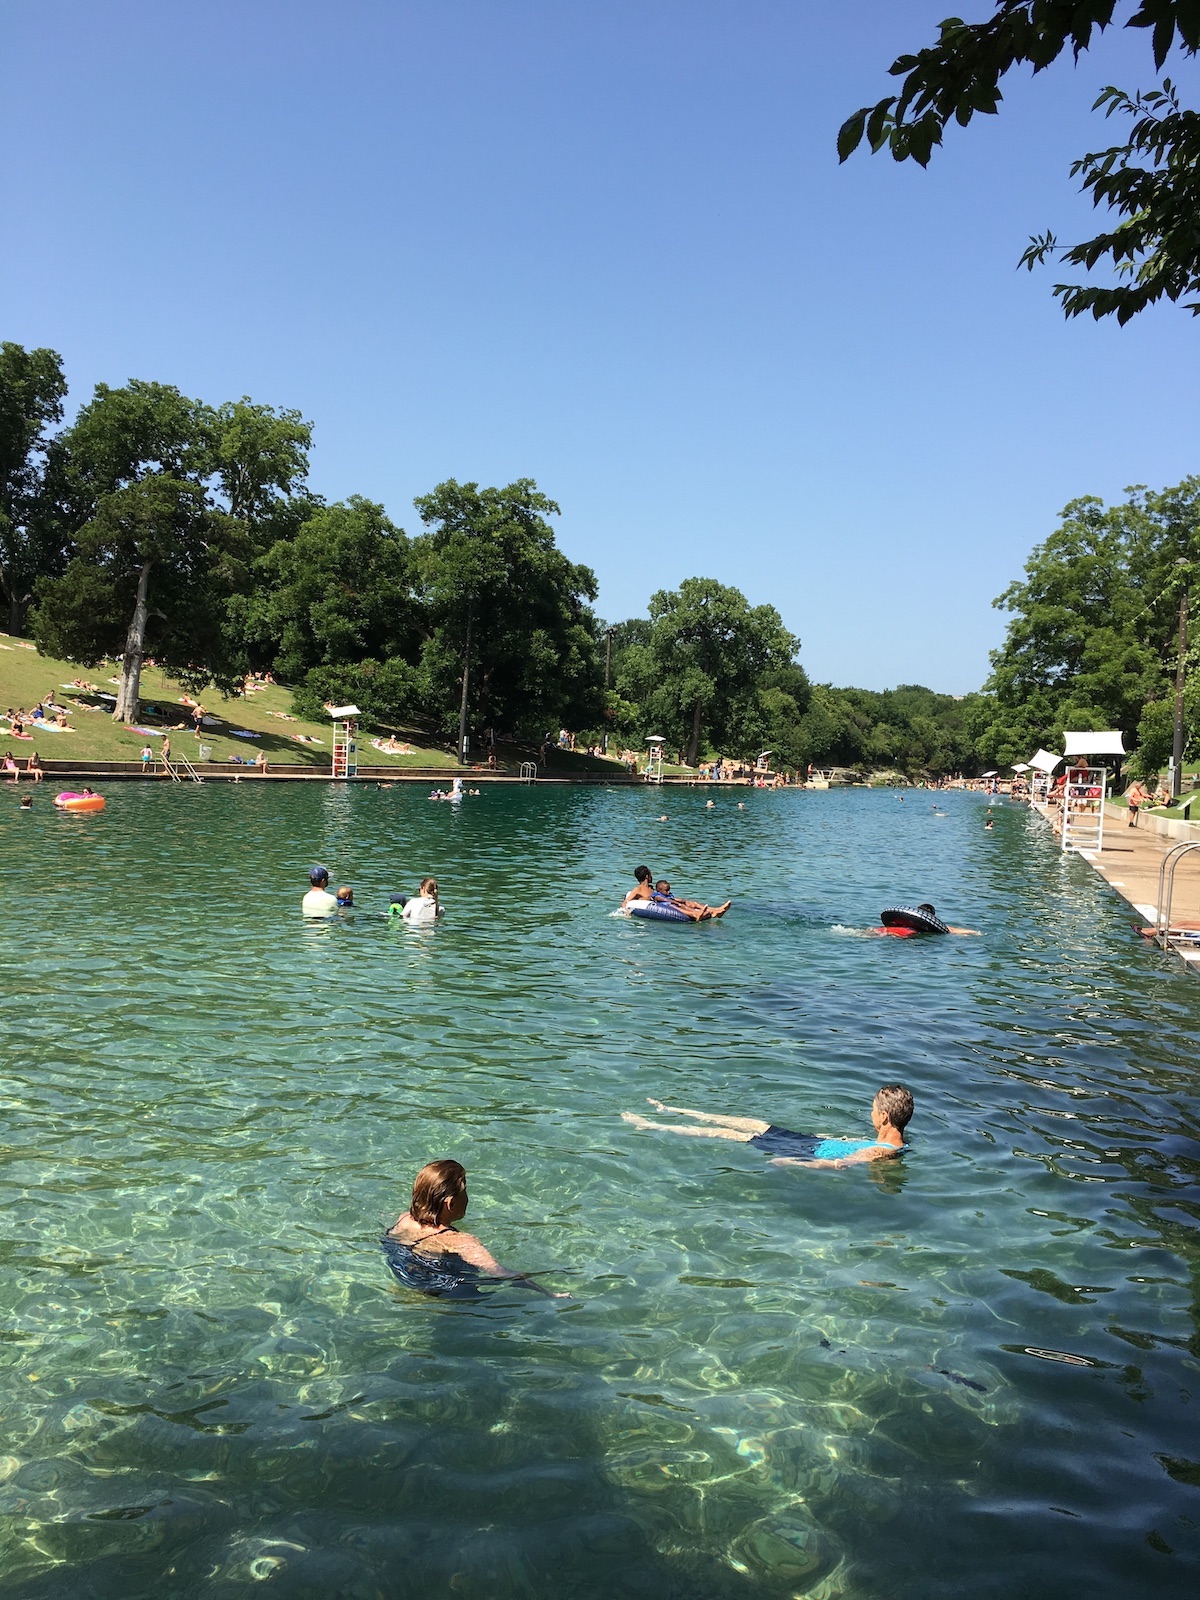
point(657, 1104)
point(719, 911)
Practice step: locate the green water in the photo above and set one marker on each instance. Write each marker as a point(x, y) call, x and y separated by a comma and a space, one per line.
point(767, 1382)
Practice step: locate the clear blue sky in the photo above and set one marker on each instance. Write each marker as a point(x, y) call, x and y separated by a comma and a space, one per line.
point(605, 244)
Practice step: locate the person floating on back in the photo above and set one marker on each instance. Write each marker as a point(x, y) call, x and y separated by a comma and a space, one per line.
point(318, 902)
point(891, 1112)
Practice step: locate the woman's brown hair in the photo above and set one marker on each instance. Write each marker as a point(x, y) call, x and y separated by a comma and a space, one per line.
point(433, 1186)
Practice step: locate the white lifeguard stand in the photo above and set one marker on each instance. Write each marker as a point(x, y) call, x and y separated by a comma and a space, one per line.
point(345, 740)
point(1041, 768)
point(1085, 790)
point(654, 761)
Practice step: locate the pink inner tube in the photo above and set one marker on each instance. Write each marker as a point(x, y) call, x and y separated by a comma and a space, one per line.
point(70, 800)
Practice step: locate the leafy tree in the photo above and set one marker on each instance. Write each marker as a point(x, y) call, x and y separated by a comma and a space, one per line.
point(332, 611)
point(1091, 643)
point(510, 641)
point(1151, 182)
point(32, 389)
point(260, 458)
point(698, 675)
point(159, 528)
point(153, 557)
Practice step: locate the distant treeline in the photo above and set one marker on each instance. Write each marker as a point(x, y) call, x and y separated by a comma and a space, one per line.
point(160, 525)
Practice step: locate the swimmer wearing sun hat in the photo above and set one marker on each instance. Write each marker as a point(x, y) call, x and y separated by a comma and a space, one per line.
point(318, 902)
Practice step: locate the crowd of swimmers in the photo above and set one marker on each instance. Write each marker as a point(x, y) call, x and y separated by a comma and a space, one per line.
point(420, 910)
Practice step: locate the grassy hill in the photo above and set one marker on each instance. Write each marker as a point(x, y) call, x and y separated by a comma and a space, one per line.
point(27, 677)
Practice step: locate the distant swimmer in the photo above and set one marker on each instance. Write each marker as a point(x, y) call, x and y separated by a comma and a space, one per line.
point(891, 1112)
point(902, 922)
point(318, 902)
point(345, 896)
point(424, 909)
point(426, 1251)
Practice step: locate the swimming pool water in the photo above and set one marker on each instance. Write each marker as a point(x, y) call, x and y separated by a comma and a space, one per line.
point(972, 1371)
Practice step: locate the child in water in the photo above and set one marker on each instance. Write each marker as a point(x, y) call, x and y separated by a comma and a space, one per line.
point(345, 896)
point(424, 908)
point(891, 1112)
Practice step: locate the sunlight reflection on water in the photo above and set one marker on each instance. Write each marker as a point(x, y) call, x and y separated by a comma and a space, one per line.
point(891, 1381)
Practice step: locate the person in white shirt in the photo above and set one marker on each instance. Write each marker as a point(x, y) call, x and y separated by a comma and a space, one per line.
point(318, 902)
point(424, 909)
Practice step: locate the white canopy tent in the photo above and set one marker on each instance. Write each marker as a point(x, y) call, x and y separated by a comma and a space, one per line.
point(1095, 744)
point(992, 774)
point(1044, 761)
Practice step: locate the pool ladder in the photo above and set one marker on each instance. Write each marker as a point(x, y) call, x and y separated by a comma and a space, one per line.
point(1166, 893)
point(182, 761)
point(529, 772)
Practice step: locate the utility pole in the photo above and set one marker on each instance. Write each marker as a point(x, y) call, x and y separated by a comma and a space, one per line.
point(462, 713)
point(607, 669)
point(1178, 741)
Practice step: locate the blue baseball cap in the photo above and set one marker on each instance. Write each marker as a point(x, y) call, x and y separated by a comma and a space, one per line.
point(318, 875)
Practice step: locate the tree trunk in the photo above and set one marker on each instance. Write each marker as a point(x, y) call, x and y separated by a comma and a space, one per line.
point(693, 749)
point(128, 693)
point(462, 712)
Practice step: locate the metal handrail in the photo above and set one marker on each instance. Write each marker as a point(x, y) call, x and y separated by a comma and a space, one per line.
point(1166, 888)
point(529, 772)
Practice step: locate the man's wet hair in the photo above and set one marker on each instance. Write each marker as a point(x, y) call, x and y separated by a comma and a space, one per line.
point(896, 1103)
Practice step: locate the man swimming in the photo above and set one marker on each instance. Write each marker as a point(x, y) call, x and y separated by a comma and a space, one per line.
point(891, 1112)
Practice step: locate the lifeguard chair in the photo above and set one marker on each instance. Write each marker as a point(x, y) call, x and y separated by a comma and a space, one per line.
point(345, 740)
point(654, 757)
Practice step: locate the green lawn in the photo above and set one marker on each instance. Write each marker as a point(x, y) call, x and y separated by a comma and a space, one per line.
point(27, 677)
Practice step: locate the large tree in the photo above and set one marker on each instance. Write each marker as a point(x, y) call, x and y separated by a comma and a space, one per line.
point(699, 674)
point(1092, 640)
point(1150, 183)
point(332, 611)
point(511, 641)
point(166, 495)
point(32, 389)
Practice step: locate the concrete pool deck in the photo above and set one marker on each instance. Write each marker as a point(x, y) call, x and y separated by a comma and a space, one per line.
point(1130, 862)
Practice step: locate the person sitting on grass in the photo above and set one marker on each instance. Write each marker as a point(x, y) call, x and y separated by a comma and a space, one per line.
point(427, 1237)
point(691, 908)
point(891, 1112)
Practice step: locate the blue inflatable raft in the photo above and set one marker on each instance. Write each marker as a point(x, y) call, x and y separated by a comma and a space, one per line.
point(651, 911)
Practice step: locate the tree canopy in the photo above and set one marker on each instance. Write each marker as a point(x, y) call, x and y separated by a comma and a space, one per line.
point(1151, 182)
point(159, 525)
point(32, 390)
point(1092, 640)
point(701, 671)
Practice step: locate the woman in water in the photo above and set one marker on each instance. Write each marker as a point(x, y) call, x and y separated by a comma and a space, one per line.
point(427, 1250)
